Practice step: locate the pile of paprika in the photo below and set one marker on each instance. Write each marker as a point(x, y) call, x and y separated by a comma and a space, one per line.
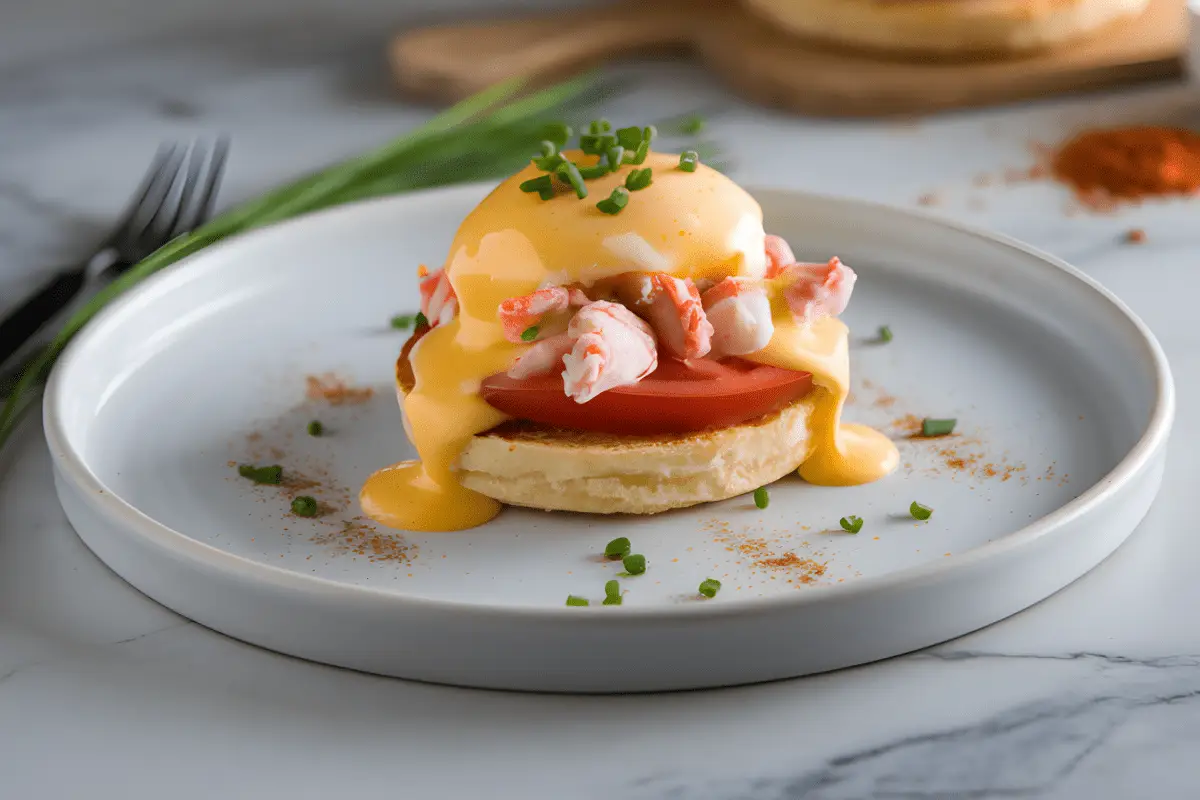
point(1107, 166)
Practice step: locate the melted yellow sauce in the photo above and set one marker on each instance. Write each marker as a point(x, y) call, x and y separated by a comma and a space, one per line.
point(838, 454)
point(698, 225)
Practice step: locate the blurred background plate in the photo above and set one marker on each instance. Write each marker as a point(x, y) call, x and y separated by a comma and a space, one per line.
point(757, 57)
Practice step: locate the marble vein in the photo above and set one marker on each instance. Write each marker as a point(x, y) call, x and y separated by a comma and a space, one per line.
point(1028, 751)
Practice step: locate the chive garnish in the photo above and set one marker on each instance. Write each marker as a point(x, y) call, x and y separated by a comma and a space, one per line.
point(549, 163)
point(315, 428)
point(549, 148)
point(573, 600)
point(612, 593)
point(885, 334)
point(538, 184)
point(634, 563)
point(596, 144)
point(762, 498)
point(559, 133)
point(600, 126)
point(304, 506)
point(638, 179)
point(420, 320)
point(591, 173)
point(617, 548)
point(937, 427)
point(692, 125)
point(639, 155)
point(919, 511)
point(569, 173)
point(272, 474)
point(629, 138)
point(709, 587)
point(529, 334)
point(615, 156)
point(688, 160)
point(402, 322)
point(615, 201)
point(851, 524)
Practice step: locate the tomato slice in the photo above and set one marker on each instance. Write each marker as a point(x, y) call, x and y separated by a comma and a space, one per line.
point(678, 397)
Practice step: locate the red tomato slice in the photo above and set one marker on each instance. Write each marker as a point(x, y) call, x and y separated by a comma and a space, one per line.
point(678, 397)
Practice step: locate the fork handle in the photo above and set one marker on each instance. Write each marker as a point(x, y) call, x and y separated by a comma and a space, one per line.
point(28, 318)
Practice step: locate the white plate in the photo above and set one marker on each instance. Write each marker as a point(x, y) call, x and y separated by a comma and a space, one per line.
point(1055, 385)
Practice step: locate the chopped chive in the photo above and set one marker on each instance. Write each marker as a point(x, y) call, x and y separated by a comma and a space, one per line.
point(549, 148)
point(612, 593)
point(851, 524)
point(549, 163)
point(596, 144)
point(762, 498)
point(315, 428)
point(615, 155)
point(569, 173)
point(546, 194)
point(593, 172)
point(617, 548)
point(420, 320)
point(709, 587)
point(538, 184)
point(600, 126)
point(529, 334)
point(573, 600)
point(559, 133)
point(615, 201)
point(688, 160)
point(919, 511)
point(402, 322)
point(639, 155)
point(272, 474)
point(648, 133)
point(937, 427)
point(885, 334)
point(638, 179)
point(304, 506)
point(634, 563)
point(629, 138)
point(692, 125)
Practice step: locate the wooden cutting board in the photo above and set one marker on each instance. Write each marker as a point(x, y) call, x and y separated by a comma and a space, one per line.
point(450, 62)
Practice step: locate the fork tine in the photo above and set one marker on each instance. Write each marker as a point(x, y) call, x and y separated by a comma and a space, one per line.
point(216, 171)
point(196, 158)
point(132, 241)
point(154, 232)
point(167, 152)
point(201, 209)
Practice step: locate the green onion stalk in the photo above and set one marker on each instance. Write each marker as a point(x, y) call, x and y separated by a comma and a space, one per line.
point(485, 136)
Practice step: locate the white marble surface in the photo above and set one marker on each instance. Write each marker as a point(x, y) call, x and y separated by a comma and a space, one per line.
point(1094, 693)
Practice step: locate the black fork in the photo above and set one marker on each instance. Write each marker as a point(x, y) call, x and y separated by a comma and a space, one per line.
point(175, 197)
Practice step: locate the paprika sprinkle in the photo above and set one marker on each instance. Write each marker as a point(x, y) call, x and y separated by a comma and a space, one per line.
point(1108, 165)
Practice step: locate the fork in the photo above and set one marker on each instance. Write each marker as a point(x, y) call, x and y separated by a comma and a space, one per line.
point(175, 196)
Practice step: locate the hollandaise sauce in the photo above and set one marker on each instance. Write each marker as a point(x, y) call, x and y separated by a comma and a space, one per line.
point(690, 224)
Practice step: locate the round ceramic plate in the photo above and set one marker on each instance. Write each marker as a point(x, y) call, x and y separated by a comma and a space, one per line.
point(1063, 402)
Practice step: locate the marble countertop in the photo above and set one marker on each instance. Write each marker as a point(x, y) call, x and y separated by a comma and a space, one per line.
point(1093, 693)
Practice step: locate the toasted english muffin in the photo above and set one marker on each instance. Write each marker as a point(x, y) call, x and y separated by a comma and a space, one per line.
point(948, 28)
point(527, 465)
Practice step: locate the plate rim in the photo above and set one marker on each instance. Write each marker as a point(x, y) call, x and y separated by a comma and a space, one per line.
point(70, 462)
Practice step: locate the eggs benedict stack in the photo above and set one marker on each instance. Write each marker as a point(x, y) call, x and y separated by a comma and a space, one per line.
point(614, 332)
